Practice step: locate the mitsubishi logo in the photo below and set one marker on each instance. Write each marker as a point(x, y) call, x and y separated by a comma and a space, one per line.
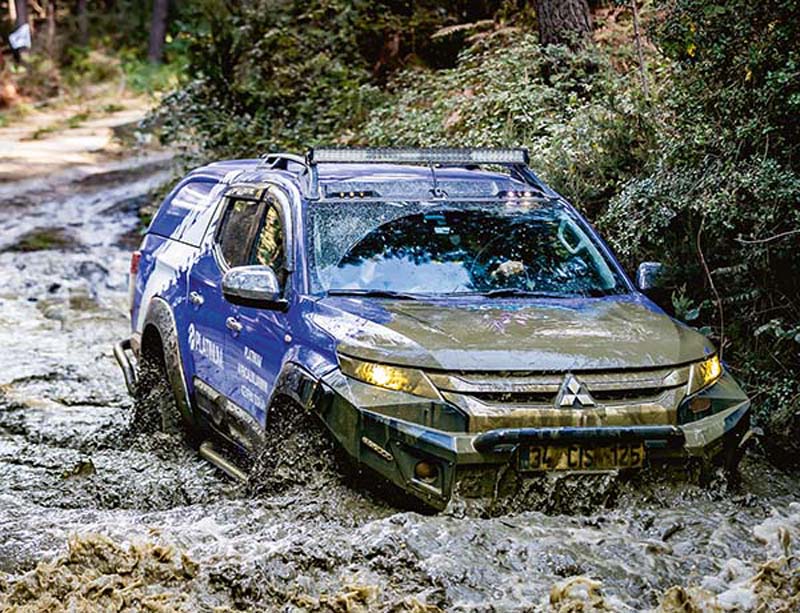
point(574, 394)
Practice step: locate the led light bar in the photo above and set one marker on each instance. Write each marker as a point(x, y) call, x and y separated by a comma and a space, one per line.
point(387, 155)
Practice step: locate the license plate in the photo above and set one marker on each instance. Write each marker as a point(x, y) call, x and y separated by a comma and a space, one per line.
point(579, 457)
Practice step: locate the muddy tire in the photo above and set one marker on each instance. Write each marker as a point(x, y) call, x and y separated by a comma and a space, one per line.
point(298, 451)
point(154, 406)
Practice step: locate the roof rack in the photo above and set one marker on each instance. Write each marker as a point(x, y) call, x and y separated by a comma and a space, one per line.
point(515, 159)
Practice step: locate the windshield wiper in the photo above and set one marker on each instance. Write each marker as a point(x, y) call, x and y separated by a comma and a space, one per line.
point(514, 292)
point(373, 293)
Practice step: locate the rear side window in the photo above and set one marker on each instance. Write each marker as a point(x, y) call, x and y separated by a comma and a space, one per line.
point(185, 214)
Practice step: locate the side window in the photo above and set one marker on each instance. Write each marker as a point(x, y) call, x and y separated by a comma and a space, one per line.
point(238, 231)
point(269, 246)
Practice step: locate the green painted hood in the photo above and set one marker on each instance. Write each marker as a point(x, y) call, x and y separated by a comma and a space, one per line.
point(511, 335)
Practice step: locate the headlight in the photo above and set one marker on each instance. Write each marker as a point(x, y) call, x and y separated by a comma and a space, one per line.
point(704, 373)
point(394, 378)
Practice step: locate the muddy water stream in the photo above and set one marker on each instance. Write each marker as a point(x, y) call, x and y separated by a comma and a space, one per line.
point(94, 519)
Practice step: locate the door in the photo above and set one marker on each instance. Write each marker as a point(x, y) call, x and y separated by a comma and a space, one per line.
point(210, 315)
point(259, 344)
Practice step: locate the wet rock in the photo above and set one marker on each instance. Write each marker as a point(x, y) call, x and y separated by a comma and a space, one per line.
point(578, 594)
point(92, 271)
point(671, 530)
point(83, 468)
point(41, 239)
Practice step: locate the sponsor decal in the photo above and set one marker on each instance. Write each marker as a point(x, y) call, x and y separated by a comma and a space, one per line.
point(205, 347)
point(252, 357)
point(253, 397)
point(252, 378)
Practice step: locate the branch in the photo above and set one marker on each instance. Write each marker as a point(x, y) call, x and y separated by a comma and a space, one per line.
point(769, 239)
point(713, 289)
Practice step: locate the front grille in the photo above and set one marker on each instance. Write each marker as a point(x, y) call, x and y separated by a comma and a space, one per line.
point(615, 396)
point(506, 400)
point(514, 398)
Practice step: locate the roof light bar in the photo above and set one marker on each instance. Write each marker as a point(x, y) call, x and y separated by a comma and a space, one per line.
point(387, 155)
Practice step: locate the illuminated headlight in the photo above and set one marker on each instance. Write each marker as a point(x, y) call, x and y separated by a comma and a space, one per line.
point(388, 377)
point(704, 373)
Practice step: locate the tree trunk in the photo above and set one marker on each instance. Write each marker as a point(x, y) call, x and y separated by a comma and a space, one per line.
point(158, 31)
point(639, 52)
point(51, 29)
point(83, 22)
point(563, 22)
point(21, 12)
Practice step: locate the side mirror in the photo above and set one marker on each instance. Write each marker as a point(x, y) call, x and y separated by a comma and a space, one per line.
point(255, 286)
point(649, 275)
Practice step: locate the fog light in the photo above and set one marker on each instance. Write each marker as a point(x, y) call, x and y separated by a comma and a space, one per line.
point(699, 405)
point(425, 471)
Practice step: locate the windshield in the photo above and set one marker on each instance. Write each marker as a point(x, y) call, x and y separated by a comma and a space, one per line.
point(455, 247)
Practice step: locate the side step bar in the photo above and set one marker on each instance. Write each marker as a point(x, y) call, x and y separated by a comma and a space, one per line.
point(121, 350)
point(207, 452)
point(487, 441)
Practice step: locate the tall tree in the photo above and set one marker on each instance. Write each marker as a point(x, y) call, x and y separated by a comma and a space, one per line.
point(83, 22)
point(51, 28)
point(563, 22)
point(21, 12)
point(158, 31)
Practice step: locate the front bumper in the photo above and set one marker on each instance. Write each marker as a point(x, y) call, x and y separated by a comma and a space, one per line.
point(393, 447)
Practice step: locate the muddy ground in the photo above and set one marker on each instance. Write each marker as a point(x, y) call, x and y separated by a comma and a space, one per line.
point(93, 518)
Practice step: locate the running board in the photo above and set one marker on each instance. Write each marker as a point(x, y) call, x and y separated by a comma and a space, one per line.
point(207, 452)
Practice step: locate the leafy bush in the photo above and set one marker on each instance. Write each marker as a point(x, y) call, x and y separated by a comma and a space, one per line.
point(724, 179)
point(584, 124)
point(274, 75)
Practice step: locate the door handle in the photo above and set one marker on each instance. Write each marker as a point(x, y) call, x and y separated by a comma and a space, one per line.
point(196, 299)
point(233, 325)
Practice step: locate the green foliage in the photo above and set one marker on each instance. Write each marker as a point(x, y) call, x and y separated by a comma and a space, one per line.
point(286, 75)
point(583, 123)
point(273, 74)
point(723, 183)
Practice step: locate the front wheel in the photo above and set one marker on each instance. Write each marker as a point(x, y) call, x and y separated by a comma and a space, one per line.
point(155, 408)
point(297, 451)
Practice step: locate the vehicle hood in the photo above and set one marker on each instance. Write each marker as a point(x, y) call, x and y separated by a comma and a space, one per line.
point(619, 332)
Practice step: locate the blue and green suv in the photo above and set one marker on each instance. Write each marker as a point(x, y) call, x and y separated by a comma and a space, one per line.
point(442, 312)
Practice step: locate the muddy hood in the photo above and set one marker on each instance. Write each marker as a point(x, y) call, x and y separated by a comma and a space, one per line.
point(589, 334)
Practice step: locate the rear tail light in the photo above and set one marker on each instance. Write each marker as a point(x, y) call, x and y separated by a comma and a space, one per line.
point(136, 257)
